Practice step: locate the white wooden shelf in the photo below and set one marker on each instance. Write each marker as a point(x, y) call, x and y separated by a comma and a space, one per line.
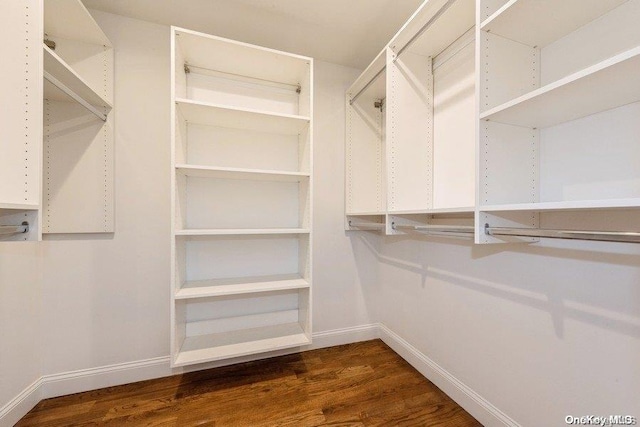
point(69, 19)
point(61, 71)
point(241, 174)
point(374, 73)
point(540, 22)
point(239, 286)
point(366, 213)
point(210, 114)
point(19, 206)
point(437, 211)
point(240, 231)
point(609, 84)
point(565, 205)
point(207, 348)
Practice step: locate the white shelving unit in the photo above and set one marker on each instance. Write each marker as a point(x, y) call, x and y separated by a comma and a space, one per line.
point(241, 195)
point(415, 155)
point(557, 113)
point(78, 122)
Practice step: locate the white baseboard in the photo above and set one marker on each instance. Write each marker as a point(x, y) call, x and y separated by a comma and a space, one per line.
point(472, 402)
point(90, 379)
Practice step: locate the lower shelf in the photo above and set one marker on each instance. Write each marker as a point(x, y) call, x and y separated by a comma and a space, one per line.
point(208, 348)
point(242, 285)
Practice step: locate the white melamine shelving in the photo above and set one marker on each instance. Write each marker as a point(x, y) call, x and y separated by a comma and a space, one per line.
point(18, 206)
point(225, 345)
point(606, 85)
point(241, 285)
point(57, 68)
point(70, 19)
point(241, 199)
point(566, 205)
point(540, 22)
point(240, 173)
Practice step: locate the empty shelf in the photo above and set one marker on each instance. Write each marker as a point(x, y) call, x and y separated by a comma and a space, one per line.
point(609, 84)
point(240, 231)
point(436, 211)
point(242, 174)
point(62, 72)
point(69, 19)
point(206, 348)
point(242, 285)
point(205, 113)
point(540, 22)
point(565, 205)
point(19, 206)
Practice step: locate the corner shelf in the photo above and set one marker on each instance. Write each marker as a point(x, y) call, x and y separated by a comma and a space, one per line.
point(240, 231)
point(61, 71)
point(609, 84)
point(208, 348)
point(210, 114)
point(540, 22)
point(239, 286)
point(240, 173)
point(70, 19)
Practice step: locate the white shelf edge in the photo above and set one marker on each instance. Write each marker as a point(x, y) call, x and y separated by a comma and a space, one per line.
point(240, 231)
point(497, 13)
point(72, 75)
point(294, 338)
point(241, 110)
point(261, 174)
point(248, 287)
point(365, 213)
point(20, 206)
point(435, 211)
point(600, 204)
point(575, 77)
point(97, 36)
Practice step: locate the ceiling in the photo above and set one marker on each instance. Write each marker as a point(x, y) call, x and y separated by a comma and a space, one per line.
point(346, 32)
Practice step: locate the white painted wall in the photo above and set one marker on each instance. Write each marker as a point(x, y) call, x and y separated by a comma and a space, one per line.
point(540, 331)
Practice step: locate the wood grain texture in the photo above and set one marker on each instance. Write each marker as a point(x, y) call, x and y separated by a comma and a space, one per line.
point(361, 384)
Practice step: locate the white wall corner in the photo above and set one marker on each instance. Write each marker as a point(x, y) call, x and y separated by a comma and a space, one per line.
point(18, 407)
point(472, 402)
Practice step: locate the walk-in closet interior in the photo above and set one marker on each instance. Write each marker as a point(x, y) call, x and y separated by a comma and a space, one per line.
point(197, 184)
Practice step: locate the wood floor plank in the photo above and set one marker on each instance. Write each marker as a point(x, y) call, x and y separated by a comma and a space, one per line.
point(358, 385)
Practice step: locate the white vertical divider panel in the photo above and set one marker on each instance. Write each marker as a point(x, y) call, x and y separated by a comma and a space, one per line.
point(21, 117)
point(178, 268)
point(409, 147)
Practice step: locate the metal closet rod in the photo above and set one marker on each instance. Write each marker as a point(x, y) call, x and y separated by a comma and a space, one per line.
point(295, 86)
point(601, 236)
point(415, 37)
point(367, 225)
point(80, 100)
point(467, 229)
point(6, 230)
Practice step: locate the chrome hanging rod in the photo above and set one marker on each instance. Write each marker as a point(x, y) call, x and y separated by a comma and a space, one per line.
point(424, 28)
point(80, 100)
point(602, 236)
point(6, 230)
point(361, 91)
point(295, 86)
point(467, 229)
point(366, 225)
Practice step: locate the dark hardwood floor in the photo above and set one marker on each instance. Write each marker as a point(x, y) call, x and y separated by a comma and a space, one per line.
point(363, 384)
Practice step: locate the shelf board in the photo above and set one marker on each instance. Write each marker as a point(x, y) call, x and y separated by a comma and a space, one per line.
point(207, 348)
point(436, 211)
point(19, 206)
point(240, 231)
point(61, 71)
point(371, 213)
point(69, 19)
point(565, 205)
point(609, 84)
point(206, 113)
point(241, 285)
point(241, 174)
point(377, 89)
point(541, 22)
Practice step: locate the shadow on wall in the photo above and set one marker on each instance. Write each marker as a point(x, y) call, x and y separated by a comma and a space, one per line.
point(595, 283)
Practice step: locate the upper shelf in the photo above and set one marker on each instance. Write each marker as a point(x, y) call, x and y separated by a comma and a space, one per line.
point(609, 84)
point(241, 118)
point(373, 76)
point(571, 205)
point(541, 22)
point(242, 174)
point(69, 19)
point(19, 206)
point(240, 231)
point(233, 57)
point(63, 73)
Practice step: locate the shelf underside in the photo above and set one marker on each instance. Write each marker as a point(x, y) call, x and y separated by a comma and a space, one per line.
point(204, 113)
point(541, 22)
point(241, 285)
point(206, 348)
point(601, 204)
point(240, 174)
point(604, 86)
point(240, 231)
point(70, 19)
